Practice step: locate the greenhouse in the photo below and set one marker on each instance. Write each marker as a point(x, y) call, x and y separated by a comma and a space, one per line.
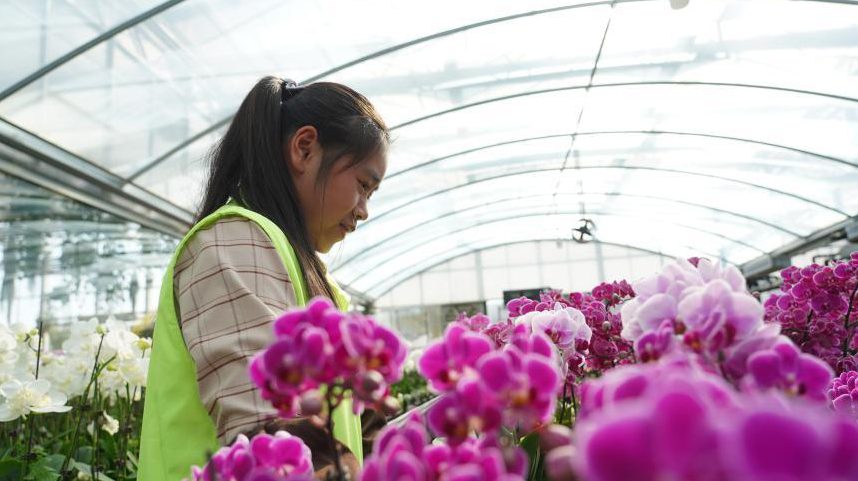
point(591, 240)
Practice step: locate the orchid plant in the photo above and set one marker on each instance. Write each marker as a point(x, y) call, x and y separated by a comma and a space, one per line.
point(73, 408)
point(681, 375)
point(684, 374)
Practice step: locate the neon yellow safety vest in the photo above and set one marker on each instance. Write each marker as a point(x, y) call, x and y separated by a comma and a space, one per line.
point(177, 430)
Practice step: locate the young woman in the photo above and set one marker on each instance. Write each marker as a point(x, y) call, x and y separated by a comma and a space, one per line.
point(291, 177)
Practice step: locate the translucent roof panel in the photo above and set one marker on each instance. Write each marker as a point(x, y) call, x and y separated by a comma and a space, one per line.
point(502, 58)
point(727, 128)
point(131, 99)
point(629, 158)
point(631, 175)
point(726, 234)
point(540, 227)
point(773, 116)
point(36, 33)
point(799, 45)
point(181, 175)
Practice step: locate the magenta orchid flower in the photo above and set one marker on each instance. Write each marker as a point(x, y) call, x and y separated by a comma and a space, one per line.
point(785, 368)
point(445, 362)
point(319, 345)
point(278, 457)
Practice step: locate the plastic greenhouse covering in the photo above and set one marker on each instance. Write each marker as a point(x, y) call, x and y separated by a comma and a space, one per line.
point(616, 240)
point(729, 130)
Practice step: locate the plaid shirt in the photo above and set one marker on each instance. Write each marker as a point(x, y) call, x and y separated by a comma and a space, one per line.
point(230, 285)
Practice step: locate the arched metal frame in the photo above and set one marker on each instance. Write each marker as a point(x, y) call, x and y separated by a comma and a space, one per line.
point(377, 54)
point(655, 169)
point(142, 17)
point(398, 279)
point(622, 84)
point(218, 125)
point(68, 56)
point(170, 3)
point(445, 33)
point(657, 132)
point(430, 240)
point(507, 199)
point(619, 132)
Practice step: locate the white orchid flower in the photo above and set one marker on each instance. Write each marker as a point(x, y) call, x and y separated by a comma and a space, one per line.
point(15, 372)
point(83, 339)
point(122, 344)
point(110, 425)
point(134, 371)
point(22, 398)
point(69, 374)
point(8, 346)
point(110, 381)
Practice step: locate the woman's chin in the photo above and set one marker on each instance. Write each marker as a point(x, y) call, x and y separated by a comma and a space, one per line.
point(325, 247)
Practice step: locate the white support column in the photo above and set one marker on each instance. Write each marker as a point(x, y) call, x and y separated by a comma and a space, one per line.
point(600, 262)
point(478, 269)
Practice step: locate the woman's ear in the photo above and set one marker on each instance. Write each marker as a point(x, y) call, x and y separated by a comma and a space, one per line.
point(301, 147)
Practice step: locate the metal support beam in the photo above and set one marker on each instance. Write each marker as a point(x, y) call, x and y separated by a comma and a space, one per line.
point(472, 26)
point(395, 235)
point(390, 283)
point(625, 84)
point(763, 265)
point(600, 263)
point(44, 70)
point(225, 121)
point(38, 161)
point(768, 262)
point(624, 132)
point(589, 167)
point(447, 233)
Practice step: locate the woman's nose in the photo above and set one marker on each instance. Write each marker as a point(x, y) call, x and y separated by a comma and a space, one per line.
point(361, 213)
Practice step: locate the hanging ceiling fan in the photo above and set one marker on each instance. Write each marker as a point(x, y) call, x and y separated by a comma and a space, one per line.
point(584, 232)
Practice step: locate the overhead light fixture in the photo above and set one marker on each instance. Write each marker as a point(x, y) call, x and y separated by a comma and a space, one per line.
point(678, 4)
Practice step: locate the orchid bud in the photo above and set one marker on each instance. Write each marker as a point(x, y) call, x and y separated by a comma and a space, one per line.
point(311, 403)
point(558, 463)
point(390, 406)
point(554, 436)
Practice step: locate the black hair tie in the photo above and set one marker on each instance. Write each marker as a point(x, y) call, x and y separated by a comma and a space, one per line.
point(289, 88)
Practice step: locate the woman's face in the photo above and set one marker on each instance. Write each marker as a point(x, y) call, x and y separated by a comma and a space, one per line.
point(333, 206)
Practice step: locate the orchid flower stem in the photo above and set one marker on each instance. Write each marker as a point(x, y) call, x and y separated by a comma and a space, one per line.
point(82, 408)
point(848, 339)
point(30, 419)
point(339, 475)
point(18, 442)
point(96, 397)
point(125, 420)
point(574, 413)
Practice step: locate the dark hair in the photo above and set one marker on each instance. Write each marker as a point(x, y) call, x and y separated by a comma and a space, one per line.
point(248, 163)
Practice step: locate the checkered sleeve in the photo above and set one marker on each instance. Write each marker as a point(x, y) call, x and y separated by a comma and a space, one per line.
point(230, 284)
